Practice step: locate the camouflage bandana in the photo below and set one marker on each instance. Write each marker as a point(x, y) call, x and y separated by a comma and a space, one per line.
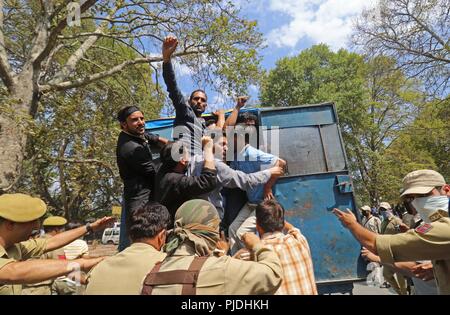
point(197, 221)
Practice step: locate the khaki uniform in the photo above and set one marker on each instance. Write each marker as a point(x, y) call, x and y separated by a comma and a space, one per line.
point(66, 286)
point(391, 225)
point(19, 252)
point(125, 272)
point(372, 224)
point(226, 275)
point(44, 287)
point(427, 242)
point(409, 220)
point(397, 281)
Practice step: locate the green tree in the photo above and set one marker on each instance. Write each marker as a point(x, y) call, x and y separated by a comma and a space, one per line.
point(44, 46)
point(423, 144)
point(71, 160)
point(373, 99)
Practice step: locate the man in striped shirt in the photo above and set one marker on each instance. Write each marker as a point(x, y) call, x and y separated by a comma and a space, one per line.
point(292, 248)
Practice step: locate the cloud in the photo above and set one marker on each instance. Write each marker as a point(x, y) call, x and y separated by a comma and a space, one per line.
point(320, 21)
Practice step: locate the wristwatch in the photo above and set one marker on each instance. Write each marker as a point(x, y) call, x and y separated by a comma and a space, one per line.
point(89, 228)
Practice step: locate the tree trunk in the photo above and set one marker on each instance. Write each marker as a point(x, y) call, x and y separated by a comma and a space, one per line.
point(13, 133)
point(12, 147)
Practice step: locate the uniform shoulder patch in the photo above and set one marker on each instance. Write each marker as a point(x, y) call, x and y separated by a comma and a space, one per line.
point(424, 228)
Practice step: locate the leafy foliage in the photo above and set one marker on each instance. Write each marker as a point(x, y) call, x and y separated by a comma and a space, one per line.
point(71, 154)
point(375, 104)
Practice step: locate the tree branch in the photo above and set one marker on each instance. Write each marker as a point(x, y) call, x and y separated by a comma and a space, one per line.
point(5, 68)
point(426, 28)
point(38, 55)
point(73, 60)
point(89, 161)
point(107, 73)
point(62, 178)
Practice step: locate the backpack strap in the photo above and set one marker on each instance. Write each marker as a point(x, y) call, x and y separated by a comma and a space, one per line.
point(194, 269)
point(188, 278)
point(146, 288)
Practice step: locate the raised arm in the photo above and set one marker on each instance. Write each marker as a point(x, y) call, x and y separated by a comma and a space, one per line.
point(170, 43)
point(232, 119)
point(69, 236)
point(220, 118)
point(365, 237)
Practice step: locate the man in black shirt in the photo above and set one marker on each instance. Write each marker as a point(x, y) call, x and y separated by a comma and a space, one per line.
point(135, 162)
point(174, 186)
point(188, 120)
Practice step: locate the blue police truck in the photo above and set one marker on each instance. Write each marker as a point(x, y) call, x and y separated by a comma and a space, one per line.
point(317, 180)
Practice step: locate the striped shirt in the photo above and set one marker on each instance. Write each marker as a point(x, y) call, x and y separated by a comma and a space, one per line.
point(295, 256)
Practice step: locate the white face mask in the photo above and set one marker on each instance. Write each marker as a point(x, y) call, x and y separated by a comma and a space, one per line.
point(426, 206)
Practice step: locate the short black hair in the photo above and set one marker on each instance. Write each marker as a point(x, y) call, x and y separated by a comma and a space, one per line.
point(148, 220)
point(198, 90)
point(210, 121)
point(126, 111)
point(246, 131)
point(74, 225)
point(167, 160)
point(247, 116)
point(48, 229)
point(270, 216)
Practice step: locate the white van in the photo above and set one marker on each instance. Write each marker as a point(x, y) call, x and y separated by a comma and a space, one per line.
point(111, 236)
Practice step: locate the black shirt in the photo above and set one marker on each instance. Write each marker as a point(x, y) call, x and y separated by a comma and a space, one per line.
point(136, 166)
point(186, 122)
point(173, 189)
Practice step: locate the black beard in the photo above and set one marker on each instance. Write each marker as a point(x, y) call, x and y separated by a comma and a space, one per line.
point(197, 110)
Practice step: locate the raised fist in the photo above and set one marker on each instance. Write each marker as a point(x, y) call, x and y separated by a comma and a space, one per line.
point(170, 43)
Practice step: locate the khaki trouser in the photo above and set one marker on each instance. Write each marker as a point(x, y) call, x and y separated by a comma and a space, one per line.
point(244, 222)
point(64, 287)
point(43, 289)
point(397, 281)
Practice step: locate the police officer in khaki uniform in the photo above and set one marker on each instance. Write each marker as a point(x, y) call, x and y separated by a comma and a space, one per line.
point(391, 225)
point(19, 216)
point(192, 267)
point(124, 273)
point(428, 193)
point(52, 225)
point(370, 221)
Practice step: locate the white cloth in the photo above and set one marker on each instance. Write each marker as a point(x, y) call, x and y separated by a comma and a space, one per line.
point(243, 223)
point(76, 249)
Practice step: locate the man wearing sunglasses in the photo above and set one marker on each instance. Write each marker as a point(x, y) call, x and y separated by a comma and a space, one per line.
point(428, 193)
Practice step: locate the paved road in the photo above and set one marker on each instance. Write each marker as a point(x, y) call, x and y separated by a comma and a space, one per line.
point(361, 288)
point(98, 249)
